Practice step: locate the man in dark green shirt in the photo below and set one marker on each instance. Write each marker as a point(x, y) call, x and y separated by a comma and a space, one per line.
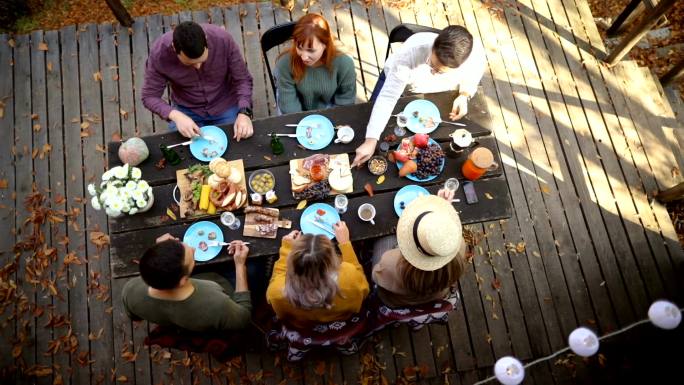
point(166, 295)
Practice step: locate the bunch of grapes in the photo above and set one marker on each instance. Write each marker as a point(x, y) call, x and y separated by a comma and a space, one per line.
point(315, 191)
point(429, 160)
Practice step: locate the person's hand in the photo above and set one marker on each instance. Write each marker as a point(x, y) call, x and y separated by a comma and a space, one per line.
point(341, 232)
point(166, 237)
point(239, 251)
point(364, 152)
point(185, 125)
point(243, 127)
point(293, 235)
point(459, 108)
point(447, 194)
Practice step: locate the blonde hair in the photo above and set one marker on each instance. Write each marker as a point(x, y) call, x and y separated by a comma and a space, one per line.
point(310, 280)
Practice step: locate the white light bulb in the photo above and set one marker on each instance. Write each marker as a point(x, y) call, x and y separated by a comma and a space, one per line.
point(509, 370)
point(665, 314)
point(583, 342)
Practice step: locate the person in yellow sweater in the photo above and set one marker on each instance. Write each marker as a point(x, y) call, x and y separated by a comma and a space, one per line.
point(312, 284)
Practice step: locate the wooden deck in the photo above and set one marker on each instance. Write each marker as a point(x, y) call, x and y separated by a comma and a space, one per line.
point(583, 147)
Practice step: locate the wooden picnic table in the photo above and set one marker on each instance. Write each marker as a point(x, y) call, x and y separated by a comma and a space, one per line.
point(131, 235)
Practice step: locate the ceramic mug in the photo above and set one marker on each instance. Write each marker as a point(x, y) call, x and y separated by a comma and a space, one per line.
point(367, 213)
point(345, 134)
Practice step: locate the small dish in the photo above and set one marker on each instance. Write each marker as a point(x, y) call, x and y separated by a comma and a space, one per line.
point(377, 165)
point(199, 233)
point(261, 181)
point(206, 150)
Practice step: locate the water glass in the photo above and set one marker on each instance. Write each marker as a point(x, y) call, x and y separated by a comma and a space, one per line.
point(230, 220)
point(341, 202)
point(451, 184)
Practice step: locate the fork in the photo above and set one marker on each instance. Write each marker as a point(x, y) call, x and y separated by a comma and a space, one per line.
point(217, 243)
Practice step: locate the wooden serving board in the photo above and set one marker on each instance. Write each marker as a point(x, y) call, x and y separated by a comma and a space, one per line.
point(184, 186)
point(296, 165)
point(250, 228)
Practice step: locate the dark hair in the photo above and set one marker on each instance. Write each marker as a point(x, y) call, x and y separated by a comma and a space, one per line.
point(163, 265)
point(453, 45)
point(189, 38)
point(423, 282)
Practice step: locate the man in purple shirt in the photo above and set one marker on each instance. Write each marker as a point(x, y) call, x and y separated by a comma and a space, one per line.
point(209, 80)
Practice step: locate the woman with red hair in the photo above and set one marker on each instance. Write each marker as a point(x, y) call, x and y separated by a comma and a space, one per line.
point(313, 74)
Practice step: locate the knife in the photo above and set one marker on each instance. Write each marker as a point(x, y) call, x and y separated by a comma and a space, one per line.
point(320, 226)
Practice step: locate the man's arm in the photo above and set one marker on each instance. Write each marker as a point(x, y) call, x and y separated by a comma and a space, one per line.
point(153, 89)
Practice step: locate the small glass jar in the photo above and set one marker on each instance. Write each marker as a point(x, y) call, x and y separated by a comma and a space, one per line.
point(230, 220)
point(341, 202)
point(317, 173)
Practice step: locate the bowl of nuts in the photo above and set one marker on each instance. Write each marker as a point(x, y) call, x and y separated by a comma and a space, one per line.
point(377, 165)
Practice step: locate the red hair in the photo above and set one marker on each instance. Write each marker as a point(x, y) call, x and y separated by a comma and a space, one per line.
point(309, 26)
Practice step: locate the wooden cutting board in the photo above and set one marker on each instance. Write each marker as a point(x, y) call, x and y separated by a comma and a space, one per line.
point(296, 166)
point(250, 228)
point(184, 186)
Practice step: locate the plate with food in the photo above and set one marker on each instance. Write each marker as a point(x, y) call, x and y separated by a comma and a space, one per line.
point(199, 235)
point(315, 132)
point(320, 175)
point(261, 181)
point(419, 158)
point(318, 219)
point(422, 116)
point(212, 144)
point(406, 195)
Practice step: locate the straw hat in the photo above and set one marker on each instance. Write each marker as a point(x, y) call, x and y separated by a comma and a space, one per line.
point(429, 233)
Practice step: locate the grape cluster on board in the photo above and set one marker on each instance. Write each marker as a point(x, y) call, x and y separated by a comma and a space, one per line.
point(315, 191)
point(429, 160)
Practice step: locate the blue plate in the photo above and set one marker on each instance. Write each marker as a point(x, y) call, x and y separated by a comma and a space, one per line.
point(322, 132)
point(426, 109)
point(218, 145)
point(431, 177)
point(192, 239)
point(331, 217)
point(407, 194)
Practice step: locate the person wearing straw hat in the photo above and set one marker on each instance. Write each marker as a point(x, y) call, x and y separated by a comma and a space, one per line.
point(427, 256)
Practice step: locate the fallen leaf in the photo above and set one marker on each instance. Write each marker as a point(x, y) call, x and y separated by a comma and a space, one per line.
point(369, 189)
point(496, 284)
point(488, 195)
point(267, 157)
point(123, 113)
point(3, 183)
point(99, 238)
point(97, 76)
point(170, 213)
point(42, 46)
point(85, 125)
point(380, 180)
point(545, 189)
point(320, 368)
point(301, 204)
point(11, 43)
point(100, 148)
point(122, 378)
point(49, 66)
point(36, 127)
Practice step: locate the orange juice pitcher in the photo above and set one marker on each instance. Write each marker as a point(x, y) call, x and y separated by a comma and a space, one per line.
point(479, 162)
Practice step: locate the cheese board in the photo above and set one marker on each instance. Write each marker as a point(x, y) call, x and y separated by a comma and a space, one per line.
point(218, 187)
point(263, 222)
point(321, 175)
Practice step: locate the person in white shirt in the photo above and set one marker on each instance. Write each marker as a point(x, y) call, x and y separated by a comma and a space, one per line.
point(427, 62)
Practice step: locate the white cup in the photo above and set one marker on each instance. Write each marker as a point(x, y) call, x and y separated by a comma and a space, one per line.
point(345, 134)
point(363, 209)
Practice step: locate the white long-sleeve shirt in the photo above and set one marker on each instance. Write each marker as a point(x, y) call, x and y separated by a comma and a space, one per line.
point(408, 67)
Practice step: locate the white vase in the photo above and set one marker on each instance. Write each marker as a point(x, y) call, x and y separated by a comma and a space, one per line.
point(149, 204)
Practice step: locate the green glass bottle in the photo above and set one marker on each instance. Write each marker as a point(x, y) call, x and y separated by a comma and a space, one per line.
point(170, 155)
point(276, 145)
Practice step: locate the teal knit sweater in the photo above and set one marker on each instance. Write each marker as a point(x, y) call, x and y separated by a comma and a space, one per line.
point(319, 88)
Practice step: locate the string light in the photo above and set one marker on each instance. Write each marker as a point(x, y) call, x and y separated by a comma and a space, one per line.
point(583, 342)
point(665, 315)
point(509, 370)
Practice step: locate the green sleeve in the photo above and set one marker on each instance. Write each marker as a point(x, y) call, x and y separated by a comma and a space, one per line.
point(127, 290)
point(236, 311)
point(288, 101)
point(346, 87)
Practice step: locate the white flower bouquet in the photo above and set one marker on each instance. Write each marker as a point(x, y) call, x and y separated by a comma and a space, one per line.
point(121, 192)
